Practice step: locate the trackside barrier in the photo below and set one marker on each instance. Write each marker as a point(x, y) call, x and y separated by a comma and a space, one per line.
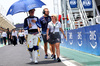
point(86, 39)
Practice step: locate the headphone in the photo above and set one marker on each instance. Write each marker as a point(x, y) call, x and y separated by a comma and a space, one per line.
point(43, 11)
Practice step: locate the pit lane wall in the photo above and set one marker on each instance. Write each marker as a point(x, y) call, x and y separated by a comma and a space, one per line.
point(86, 39)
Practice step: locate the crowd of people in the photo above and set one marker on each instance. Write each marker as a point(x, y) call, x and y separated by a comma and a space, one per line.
point(8, 37)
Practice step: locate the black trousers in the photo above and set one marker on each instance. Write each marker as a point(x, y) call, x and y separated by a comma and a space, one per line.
point(9, 40)
point(14, 40)
point(4, 40)
point(21, 40)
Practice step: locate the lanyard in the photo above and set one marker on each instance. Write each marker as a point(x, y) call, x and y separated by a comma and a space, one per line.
point(54, 26)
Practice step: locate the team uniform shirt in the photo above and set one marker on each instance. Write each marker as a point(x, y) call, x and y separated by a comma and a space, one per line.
point(21, 34)
point(54, 27)
point(14, 33)
point(4, 34)
point(34, 27)
point(44, 23)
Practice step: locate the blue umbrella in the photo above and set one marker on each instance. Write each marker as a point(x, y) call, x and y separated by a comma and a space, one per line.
point(24, 6)
point(30, 4)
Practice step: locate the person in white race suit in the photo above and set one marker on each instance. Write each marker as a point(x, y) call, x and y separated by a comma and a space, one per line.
point(31, 23)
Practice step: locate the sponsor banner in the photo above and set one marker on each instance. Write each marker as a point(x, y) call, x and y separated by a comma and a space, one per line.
point(86, 39)
point(73, 3)
point(87, 3)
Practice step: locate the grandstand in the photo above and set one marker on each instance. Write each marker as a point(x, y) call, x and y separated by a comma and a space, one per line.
point(5, 22)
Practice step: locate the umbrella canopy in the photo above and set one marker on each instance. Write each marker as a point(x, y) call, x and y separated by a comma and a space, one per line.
point(24, 6)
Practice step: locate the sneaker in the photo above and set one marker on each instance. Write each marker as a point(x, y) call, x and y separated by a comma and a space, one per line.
point(54, 57)
point(58, 60)
point(31, 59)
point(46, 56)
point(36, 62)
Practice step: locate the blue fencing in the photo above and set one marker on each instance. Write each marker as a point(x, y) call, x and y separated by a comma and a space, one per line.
point(86, 39)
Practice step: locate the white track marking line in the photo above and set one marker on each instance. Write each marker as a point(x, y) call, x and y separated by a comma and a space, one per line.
point(66, 62)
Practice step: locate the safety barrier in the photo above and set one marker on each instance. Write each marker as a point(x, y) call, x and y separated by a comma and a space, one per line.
point(86, 39)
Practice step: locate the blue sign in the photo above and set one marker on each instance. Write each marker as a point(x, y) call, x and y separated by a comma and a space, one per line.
point(87, 3)
point(73, 3)
point(86, 39)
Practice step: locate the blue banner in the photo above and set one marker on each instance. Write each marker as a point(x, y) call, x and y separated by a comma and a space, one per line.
point(73, 3)
point(87, 3)
point(86, 39)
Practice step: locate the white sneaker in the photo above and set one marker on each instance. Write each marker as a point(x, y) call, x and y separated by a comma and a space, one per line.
point(31, 59)
point(36, 62)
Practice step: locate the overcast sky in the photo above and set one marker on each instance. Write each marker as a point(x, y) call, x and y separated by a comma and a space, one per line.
point(19, 18)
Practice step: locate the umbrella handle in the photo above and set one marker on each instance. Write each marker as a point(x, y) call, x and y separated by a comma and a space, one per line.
point(29, 19)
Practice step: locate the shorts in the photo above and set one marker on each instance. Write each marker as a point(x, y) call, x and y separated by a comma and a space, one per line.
point(54, 38)
point(44, 36)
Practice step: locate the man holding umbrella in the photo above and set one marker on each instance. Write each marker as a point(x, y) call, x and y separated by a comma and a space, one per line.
point(31, 23)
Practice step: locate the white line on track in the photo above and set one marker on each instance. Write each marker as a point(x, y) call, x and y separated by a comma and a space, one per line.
point(66, 62)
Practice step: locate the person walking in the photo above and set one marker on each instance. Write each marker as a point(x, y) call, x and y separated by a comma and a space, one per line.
point(10, 40)
point(4, 35)
point(8, 36)
point(21, 36)
point(1, 39)
point(14, 37)
point(54, 38)
point(44, 20)
point(32, 24)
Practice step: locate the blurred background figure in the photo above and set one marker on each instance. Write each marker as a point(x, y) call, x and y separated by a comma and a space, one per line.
point(21, 36)
point(14, 37)
point(10, 40)
point(4, 35)
point(1, 39)
point(25, 34)
point(8, 36)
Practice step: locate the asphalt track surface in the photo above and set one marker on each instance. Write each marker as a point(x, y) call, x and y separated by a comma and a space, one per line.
point(19, 56)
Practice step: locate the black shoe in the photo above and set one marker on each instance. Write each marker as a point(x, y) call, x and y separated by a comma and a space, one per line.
point(46, 56)
point(58, 60)
point(54, 57)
